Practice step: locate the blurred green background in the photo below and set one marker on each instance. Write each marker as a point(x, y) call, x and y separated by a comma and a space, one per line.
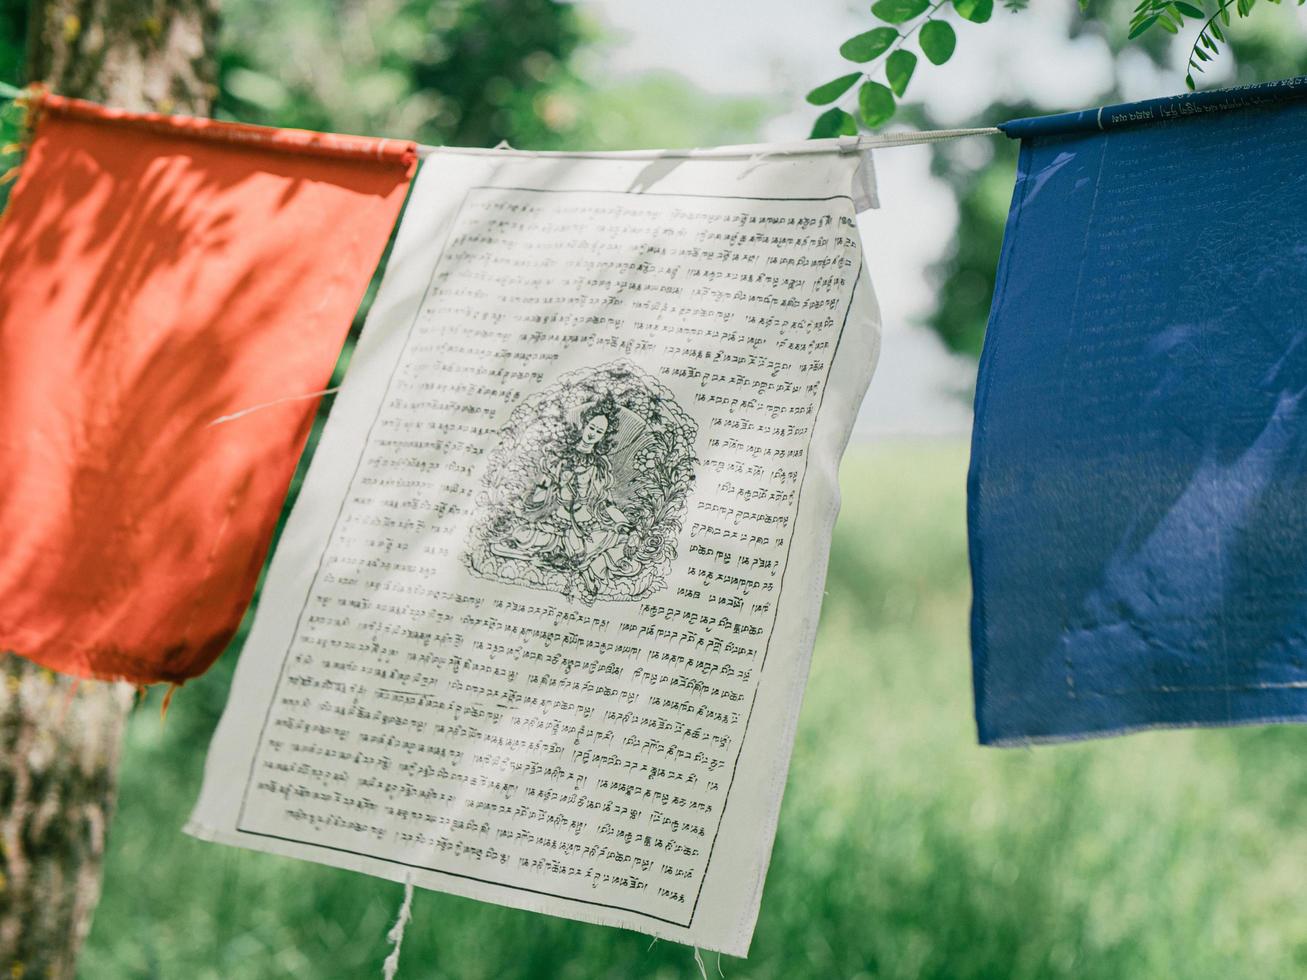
point(904, 850)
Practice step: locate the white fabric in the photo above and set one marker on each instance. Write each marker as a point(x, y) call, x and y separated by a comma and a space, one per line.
point(507, 644)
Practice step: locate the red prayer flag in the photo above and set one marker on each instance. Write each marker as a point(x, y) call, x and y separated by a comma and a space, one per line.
point(158, 274)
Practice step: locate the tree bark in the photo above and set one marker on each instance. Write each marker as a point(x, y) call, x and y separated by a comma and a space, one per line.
point(59, 744)
point(154, 55)
point(60, 739)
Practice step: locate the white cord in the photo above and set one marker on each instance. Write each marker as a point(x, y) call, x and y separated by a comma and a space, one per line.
point(396, 934)
point(277, 401)
point(925, 136)
point(846, 144)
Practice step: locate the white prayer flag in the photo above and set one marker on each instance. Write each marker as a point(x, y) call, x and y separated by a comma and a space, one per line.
point(539, 626)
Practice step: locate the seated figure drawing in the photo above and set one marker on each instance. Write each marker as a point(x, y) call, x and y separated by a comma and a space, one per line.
point(586, 491)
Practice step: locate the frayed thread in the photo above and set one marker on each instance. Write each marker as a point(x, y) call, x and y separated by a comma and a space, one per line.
point(698, 961)
point(69, 697)
point(167, 700)
point(396, 934)
point(272, 404)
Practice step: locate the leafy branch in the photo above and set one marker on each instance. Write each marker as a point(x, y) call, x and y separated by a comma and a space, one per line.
point(1170, 15)
point(1205, 46)
point(884, 47)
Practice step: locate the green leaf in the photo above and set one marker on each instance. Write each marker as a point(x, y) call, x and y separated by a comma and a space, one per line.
point(897, 11)
point(1189, 83)
point(866, 46)
point(977, 11)
point(875, 104)
point(1142, 26)
point(898, 69)
point(833, 122)
point(1189, 10)
point(938, 41)
point(832, 90)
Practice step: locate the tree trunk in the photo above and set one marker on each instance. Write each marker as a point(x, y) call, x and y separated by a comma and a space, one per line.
point(59, 739)
point(58, 768)
point(154, 55)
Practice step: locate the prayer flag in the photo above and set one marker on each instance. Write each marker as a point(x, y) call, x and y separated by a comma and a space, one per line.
point(160, 276)
point(539, 627)
point(1138, 487)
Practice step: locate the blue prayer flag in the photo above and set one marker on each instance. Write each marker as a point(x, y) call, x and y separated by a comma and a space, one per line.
point(1137, 501)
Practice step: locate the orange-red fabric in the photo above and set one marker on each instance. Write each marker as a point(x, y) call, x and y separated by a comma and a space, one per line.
point(156, 274)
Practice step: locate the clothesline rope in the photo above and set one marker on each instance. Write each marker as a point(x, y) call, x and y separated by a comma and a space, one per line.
point(846, 144)
point(925, 136)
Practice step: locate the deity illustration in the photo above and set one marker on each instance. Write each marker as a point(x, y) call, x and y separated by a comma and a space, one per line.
point(587, 489)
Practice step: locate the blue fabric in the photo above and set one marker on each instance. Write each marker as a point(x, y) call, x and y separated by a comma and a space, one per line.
point(1137, 501)
point(1154, 110)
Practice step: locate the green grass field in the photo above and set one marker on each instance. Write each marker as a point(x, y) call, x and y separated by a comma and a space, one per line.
point(904, 850)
